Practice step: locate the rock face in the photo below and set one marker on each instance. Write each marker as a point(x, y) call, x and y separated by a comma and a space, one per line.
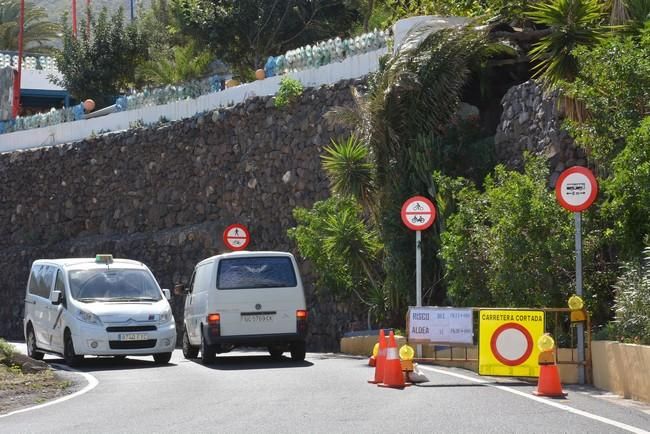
point(531, 122)
point(164, 194)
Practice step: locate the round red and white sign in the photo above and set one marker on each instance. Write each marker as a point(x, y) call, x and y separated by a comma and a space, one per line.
point(418, 213)
point(576, 188)
point(511, 344)
point(236, 237)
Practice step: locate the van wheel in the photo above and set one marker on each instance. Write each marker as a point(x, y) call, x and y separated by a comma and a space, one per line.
point(208, 352)
point(162, 358)
point(32, 349)
point(71, 358)
point(276, 353)
point(297, 351)
point(189, 350)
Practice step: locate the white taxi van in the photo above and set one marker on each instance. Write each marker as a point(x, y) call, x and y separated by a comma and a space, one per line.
point(97, 306)
point(252, 299)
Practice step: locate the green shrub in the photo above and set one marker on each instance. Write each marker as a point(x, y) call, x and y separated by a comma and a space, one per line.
point(290, 89)
point(6, 351)
point(632, 302)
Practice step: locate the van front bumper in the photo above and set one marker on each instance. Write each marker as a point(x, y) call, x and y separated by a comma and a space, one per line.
point(97, 341)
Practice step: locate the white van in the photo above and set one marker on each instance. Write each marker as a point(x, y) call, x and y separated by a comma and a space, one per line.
point(252, 299)
point(97, 306)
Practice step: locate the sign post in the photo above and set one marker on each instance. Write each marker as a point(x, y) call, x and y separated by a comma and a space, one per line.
point(418, 214)
point(236, 237)
point(576, 189)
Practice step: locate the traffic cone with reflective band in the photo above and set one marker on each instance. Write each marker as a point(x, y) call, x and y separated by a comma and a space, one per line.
point(549, 382)
point(393, 375)
point(381, 357)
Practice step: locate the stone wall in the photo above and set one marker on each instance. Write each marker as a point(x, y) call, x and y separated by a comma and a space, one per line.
point(531, 122)
point(164, 194)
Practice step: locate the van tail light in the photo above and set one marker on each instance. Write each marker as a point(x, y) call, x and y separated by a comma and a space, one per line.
point(301, 322)
point(214, 324)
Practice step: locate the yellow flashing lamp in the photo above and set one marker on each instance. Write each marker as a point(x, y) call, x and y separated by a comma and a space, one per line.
point(375, 350)
point(104, 258)
point(406, 352)
point(577, 307)
point(546, 344)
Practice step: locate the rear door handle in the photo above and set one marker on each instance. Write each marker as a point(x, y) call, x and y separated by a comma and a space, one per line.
point(30, 301)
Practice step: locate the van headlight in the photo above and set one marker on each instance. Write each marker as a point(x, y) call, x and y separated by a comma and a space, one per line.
point(88, 317)
point(166, 316)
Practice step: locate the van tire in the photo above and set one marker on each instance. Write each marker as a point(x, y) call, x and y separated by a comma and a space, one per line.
point(208, 352)
point(32, 349)
point(298, 351)
point(162, 358)
point(189, 350)
point(71, 358)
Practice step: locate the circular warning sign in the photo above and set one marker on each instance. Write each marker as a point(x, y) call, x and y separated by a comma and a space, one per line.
point(418, 213)
point(236, 237)
point(576, 188)
point(511, 344)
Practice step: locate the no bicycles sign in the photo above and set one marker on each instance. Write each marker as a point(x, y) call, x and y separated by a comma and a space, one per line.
point(418, 213)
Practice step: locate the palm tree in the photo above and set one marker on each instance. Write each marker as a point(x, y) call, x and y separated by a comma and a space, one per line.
point(38, 31)
point(188, 63)
point(415, 94)
point(350, 172)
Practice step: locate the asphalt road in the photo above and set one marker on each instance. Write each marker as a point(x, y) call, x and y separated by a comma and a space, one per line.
point(246, 392)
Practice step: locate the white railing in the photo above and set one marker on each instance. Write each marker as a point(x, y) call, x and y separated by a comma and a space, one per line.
point(44, 63)
point(351, 67)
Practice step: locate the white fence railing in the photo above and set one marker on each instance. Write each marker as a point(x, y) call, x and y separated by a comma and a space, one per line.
point(351, 67)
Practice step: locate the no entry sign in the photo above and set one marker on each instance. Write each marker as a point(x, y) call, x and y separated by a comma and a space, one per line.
point(576, 188)
point(418, 213)
point(236, 237)
point(508, 342)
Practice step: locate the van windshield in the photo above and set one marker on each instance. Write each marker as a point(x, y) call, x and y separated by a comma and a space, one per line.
point(113, 285)
point(256, 272)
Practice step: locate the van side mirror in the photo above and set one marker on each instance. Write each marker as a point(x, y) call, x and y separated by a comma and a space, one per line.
point(168, 294)
point(179, 289)
point(55, 297)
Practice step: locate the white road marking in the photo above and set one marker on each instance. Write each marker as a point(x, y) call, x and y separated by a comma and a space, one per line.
point(550, 403)
point(92, 383)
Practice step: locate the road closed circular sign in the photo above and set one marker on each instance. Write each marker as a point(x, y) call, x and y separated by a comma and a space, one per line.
point(576, 188)
point(418, 213)
point(236, 237)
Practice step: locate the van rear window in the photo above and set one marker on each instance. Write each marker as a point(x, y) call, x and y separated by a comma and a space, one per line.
point(256, 272)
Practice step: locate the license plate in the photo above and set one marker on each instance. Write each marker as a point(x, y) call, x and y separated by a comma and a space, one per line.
point(133, 337)
point(257, 318)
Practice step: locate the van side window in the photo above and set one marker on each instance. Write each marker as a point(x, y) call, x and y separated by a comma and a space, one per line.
point(59, 285)
point(192, 280)
point(40, 280)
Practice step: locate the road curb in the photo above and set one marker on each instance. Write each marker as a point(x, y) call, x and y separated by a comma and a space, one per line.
point(91, 383)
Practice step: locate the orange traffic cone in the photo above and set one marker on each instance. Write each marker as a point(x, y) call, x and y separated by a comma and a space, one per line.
point(393, 375)
point(381, 357)
point(549, 382)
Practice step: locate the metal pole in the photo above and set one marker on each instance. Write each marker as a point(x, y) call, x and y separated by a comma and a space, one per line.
point(418, 280)
point(88, 18)
point(74, 18)
point(580, 326)
point(132, 12)
point(15, 109)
